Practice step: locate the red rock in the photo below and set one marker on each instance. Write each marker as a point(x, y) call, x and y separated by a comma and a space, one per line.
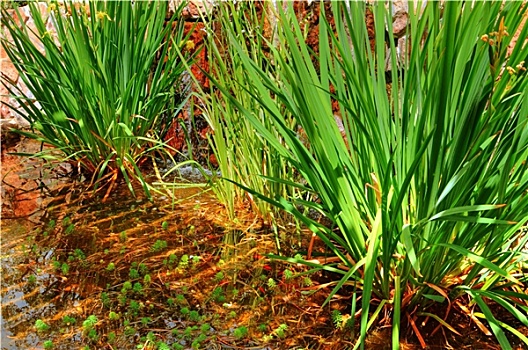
point(197, 32)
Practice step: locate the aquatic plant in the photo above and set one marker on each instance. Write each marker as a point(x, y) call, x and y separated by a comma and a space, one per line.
point(188, 332)
point(280, 331)
point(66, 221)
point(184, 262)
point(65, 268)
point(110, 266)
point(41, 326)
point(147, 280)
point(240, 332)
point(218, 295)
point(194, 316)
point(129, 331)
point(195, 260)
point(92, 334)
point(172, 259)
point(143, 268)
point(79, 254)
point(32, 279)
point(134, 307)
point(337, 318)
point(89, 323)
point(106, 81)
point(111, 337)
point(180, 299)
point(69, 229)
point(151, 337)
point(420, 168)
point(158, 245)
point(307, 281)
point(138, 288)
point(178, 346)
point(242, 155)
point(271, 283)
point(133, 273)
point(197, 342)
point(206, 327)
point(288, 274)
point(162, 346)
point(123, 236)
point(127, 285)
point(219, 277)
point(184, 311)
point(68, 320)
point(48, 344)
point(51, 224)
point(105, 300)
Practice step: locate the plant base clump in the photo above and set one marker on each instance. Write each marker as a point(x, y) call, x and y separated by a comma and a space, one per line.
point(424, 177)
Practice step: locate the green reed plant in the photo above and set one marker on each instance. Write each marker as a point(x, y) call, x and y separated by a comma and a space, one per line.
point(242, 155)
point(105, 76)
point(427, 184)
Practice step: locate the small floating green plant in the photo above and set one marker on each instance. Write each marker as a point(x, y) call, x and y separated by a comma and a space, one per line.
point(240, 332)
point(159, 245)
point(89, 323)
point(48, 345)
point(41, 326)
point(110, 267)
point(68, 320)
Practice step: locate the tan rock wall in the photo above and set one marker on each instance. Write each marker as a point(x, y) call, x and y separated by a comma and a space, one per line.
point(9, 119)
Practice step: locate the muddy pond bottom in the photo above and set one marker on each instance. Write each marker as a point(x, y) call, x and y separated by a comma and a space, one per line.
point(128, 273)
point(171, 273)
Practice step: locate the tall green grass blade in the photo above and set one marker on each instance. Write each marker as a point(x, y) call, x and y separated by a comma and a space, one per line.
point(514, 331)
point(397, 314)
point(373, 317)
point(492, 321)
point(102, 82)
point(343, 280)
point(481, 261)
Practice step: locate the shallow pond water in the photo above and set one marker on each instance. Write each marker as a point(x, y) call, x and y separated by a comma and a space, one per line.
point(39, 206)
point(41, 283)
point(64, 251)
point(33, 289)
point(136, 274)
point(21, 301)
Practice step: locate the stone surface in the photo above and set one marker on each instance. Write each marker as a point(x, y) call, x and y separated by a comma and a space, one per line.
point(516, 35)
point(8, 118)
point(194, 9)
point(400, 18)
point(9, 74)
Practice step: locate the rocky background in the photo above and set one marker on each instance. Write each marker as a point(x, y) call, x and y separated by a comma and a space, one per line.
point(9, 119)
